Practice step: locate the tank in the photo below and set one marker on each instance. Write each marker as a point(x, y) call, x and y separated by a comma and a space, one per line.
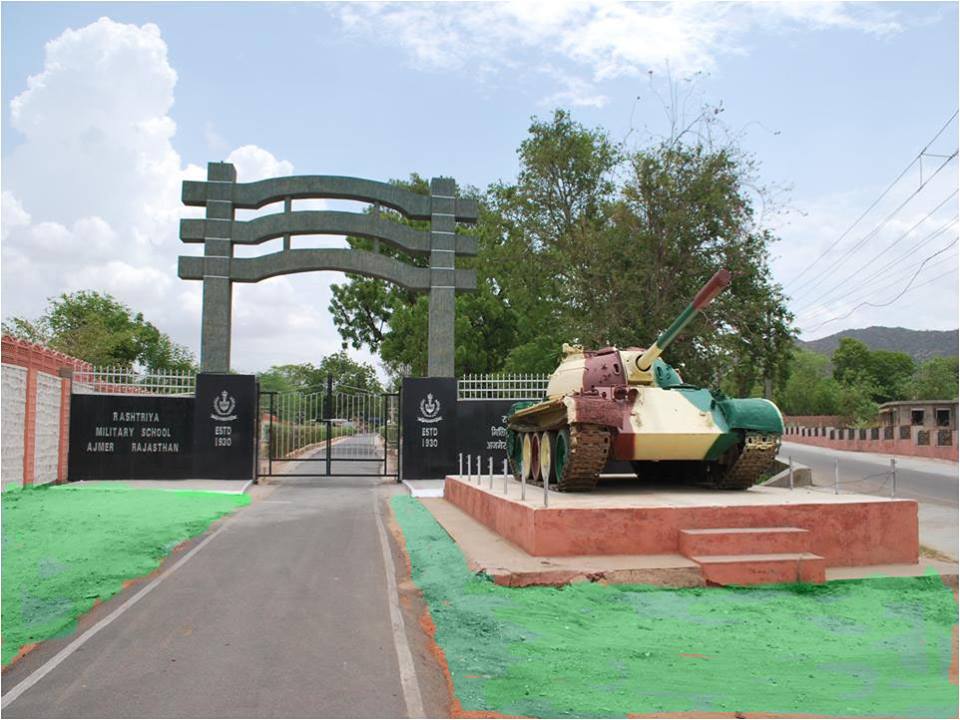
point(630, 405)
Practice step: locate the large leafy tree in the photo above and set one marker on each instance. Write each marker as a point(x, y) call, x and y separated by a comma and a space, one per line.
point(100, 329)
point(597, 245)
point(684, 212)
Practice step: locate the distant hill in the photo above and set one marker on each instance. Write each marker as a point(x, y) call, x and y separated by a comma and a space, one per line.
point(919, 344)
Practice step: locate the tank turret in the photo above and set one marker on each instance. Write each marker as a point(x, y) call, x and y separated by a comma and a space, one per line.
point(628, 404)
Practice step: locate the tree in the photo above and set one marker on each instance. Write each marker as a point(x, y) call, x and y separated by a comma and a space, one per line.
point(935, 379)
point(855, 403)
point(98, 328)
point(809, 389)
point(887, 373)
point(394, 322)
point(891, 373)
point(568, 254)
point(348, 375)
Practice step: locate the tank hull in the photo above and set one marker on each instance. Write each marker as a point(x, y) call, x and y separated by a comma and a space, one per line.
point(734, 439)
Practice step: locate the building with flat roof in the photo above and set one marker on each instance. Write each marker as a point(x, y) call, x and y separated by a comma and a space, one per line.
point(930, 414)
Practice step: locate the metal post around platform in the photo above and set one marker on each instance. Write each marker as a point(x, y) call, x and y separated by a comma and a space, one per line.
point(790, 460)
point(490, 470)
point(836, 476)
point(893, 477)
point(469, 469)
point(460, 474)
point(546, 493)
point(523, 485)
point(504, 477)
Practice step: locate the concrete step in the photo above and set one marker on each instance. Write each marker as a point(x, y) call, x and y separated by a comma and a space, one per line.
point(762, 569)
point(736, 541)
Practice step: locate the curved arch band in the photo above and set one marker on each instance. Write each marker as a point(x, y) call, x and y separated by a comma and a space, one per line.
point(357, 262)
point(321, 222)
point(255, 195)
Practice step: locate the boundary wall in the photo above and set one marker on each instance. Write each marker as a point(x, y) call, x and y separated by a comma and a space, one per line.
point(915, 441)
point(36, 412)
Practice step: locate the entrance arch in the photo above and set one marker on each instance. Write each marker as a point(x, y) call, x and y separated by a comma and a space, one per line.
point(221, 195)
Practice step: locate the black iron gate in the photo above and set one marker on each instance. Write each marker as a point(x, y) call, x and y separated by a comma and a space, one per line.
point(329, 431)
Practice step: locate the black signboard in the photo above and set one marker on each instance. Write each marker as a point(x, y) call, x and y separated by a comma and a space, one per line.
point(224, 428)
point(482, 430)
point(429, 415)
point(130, 437)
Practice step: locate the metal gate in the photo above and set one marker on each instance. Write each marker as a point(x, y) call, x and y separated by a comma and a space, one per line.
point(332, 431)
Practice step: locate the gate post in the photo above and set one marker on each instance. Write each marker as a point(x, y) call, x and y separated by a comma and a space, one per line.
point(217, 253)
point(330, 405)
point(443, 280)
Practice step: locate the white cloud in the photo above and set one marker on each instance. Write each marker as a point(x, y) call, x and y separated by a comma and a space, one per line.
point(575, 91)
point(254, 163)
point(91, 200)
point(12, 214)
point(602, 39)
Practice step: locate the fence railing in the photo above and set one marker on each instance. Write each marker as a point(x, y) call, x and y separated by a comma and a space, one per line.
point(503, 386)
point(125, 381)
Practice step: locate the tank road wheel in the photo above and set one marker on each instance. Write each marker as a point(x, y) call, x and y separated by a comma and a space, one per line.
point(589, 447)
point(530, 463)
point(525, 456)
point(535, 475)
point(547, 440)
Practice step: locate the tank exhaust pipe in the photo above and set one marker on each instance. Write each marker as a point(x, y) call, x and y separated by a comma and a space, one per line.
point(715, 285)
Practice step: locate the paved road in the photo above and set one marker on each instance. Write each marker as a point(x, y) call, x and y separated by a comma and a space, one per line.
point(930, 481)
point(933, 483)
point(283, 614)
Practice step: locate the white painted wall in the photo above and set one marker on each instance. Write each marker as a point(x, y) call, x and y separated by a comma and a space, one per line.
point(47, 447)
point(14, 396)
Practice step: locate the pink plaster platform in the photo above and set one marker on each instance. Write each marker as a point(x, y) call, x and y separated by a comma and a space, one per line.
point(764, 534)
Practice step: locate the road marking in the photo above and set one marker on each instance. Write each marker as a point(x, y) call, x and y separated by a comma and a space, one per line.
point(51, 664)
point(408, 673)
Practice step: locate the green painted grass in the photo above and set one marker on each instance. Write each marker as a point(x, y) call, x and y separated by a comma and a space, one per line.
point(65, 546)
point(878, 647)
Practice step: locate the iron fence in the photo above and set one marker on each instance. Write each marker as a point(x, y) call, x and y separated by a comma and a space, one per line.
point(127, 381)
point(503, 386)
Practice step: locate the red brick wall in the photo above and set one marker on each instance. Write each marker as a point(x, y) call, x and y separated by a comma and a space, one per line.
point(36, 359)
point(894, 446)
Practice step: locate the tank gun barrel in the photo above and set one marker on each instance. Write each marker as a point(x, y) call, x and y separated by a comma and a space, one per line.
point(715, 285)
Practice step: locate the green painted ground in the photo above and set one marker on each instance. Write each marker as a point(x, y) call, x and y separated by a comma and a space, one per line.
point(64, 546)
point(856, 648)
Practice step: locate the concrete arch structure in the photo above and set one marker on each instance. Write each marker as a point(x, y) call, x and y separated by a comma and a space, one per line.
point(219, 231)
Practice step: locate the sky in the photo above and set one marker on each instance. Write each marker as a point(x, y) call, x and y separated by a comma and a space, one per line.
point(108, 107)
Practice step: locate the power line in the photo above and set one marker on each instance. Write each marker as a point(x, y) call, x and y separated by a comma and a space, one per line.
point(842, 284)
point(875, 202)
point(863, 292)
point(893, 300)
point(818, 280)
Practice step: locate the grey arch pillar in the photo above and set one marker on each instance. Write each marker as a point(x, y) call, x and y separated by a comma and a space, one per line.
point(440, 354)
point(219, 231)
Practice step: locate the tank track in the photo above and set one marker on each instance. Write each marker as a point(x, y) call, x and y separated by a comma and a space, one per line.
point(589, 448)
point(759, 452)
